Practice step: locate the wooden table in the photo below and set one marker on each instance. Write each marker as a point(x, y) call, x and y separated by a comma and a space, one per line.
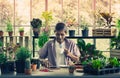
point(59, 73)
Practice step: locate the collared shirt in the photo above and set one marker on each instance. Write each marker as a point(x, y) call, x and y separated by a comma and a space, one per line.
point(48, 51)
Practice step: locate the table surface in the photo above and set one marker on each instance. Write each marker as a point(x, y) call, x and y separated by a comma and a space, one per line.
point(59, 73)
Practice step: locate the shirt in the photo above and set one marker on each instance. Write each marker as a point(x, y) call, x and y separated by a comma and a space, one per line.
point(48, 51)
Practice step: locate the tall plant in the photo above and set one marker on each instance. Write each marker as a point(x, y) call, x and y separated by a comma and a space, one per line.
point(115, 42)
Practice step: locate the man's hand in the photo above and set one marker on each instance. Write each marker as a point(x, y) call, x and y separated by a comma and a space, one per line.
point(67, 52)
point(46, 63)
point(73, 57)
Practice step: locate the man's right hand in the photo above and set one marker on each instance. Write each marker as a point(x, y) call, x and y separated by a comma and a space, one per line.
point(45, 63)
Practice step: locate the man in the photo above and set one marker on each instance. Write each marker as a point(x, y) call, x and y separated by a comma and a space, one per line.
point(60, 51)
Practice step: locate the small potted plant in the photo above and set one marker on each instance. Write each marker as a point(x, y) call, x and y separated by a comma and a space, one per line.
point(22, 54)
point(21, 31)
point(1, 33)
point(71, 24)
point(28, 69)
point(85, 29)
point(36, 23)
point(71, 69)
point(9, 28)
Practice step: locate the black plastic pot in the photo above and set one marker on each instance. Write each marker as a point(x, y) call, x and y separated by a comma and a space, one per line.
point(20, 66)
point(85, 33)
point(7, 67)
point(71, 33)
point(36, 32)
point(4, 68)
point(11, 66)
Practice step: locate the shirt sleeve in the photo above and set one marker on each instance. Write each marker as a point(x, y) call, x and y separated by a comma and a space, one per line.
point(43, 52)
point(76, 51)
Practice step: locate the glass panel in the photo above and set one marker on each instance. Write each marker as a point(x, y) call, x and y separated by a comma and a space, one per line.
point(56, 7)
point(22, 12)
point(86, 12)
point(38, 6)
point(102, 5)
point(102, 44)
point(115, 8)
point(6, 12)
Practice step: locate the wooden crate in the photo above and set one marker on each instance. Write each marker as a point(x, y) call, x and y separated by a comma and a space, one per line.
point(104, 32)
point(115, 53)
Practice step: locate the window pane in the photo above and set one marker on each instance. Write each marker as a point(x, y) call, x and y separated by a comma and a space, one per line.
point(70, 9)
point(115, 8)
point(6, 12)
point(56, 7)
point(22, 12)
point(86, 11)
point(102, 5)
point(38, 6)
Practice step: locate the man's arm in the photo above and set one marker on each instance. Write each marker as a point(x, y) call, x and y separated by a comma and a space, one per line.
point(43, 52)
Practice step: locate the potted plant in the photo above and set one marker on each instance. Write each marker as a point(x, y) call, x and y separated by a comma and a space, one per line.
point(28, 69)
point(35, 61)
point(1, 33)
point(71, 69)
point(85, 29)
point(22, 54)
point(36, 23)
point(71, 23)
point(9, 28)
point(21, 31)
point(87, 50)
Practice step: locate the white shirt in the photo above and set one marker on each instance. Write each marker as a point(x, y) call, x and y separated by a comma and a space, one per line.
point(60, 57)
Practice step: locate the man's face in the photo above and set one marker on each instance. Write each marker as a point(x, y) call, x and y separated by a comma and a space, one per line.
point(60, 35)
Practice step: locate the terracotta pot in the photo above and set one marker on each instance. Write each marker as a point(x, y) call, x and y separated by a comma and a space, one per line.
point(10, 33)
point(28, 71)
point(34, 67)
point(21, 33)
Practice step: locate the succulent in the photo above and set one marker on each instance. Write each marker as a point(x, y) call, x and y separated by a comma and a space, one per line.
point(21, 29)
point(36, 23)
point(27, 64)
